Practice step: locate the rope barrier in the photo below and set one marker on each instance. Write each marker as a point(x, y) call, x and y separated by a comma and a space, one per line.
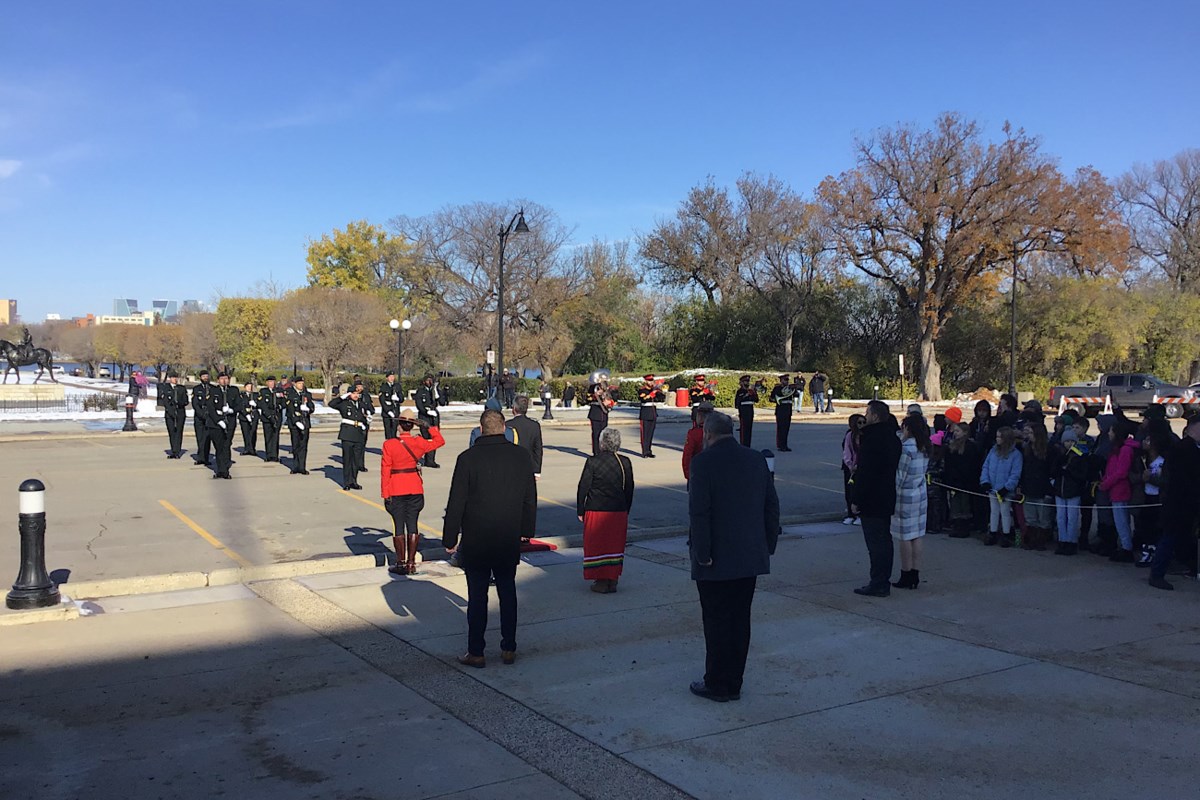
point(1020, 499)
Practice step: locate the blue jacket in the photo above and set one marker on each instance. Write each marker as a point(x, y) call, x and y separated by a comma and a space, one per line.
point(1000, 472)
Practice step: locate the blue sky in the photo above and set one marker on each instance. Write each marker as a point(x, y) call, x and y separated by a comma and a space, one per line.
point(176, 150)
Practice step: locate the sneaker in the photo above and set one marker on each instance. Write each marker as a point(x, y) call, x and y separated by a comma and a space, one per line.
point(1146, 556)
point(857, 521)
point(848, 521)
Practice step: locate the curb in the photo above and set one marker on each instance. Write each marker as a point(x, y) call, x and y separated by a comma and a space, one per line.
point(63, 611)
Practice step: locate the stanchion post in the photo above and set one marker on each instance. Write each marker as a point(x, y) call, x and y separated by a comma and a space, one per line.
point(547, 401)
point(33, 588)
point(130, 404)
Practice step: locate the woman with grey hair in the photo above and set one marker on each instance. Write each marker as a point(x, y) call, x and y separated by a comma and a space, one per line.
point(603, 501)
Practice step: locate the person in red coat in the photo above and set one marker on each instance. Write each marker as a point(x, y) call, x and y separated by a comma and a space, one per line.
point(695, 438)
point(402, 488)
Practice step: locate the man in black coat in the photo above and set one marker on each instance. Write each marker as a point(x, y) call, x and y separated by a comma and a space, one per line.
point(873, 494)
point(300, 408)
point(271, 401)
point(650, 394)
point(784, 398)
point(201, 397)
point(352, 433)
point(174, 400)
point(428, 403)
point(734, 515)
point(492, 505)
point(223, 404)
point(248, 420)
point(1180, 504)
point(744, 400)
point(528, 431)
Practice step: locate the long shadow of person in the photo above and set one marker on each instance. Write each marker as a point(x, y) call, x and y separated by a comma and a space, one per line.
point(568, 450)
point(364, 541)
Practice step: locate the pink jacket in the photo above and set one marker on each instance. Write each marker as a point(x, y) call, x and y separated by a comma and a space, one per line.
point(1116, 472)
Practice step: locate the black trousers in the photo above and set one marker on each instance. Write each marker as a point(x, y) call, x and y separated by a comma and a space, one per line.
point(597, 426)
point(389, 426)
point(299, 449)
point(783, 426)
point(203, 445)
point(222, 440)
point(725, 608)
point(362, 452)
point(405, 510)
point(175, 432)
point(352, 456)
point(877, 531)
point(647, 429)
point(745, 427)
point(430, 459)
point(846, 476)
point(249, 437)
point(270, 440)
point(478, 579)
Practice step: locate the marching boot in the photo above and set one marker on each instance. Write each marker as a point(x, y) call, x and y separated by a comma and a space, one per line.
point(398, 546)
point(414, 539)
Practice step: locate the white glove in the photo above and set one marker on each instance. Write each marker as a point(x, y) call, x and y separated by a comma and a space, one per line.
point(433, 412)
point(222, 425)
point(392, 414)
point(346, 395)
point(362, 425)
point(253, 404)
point(395, 399)
point(226, 410)
point(300, 425)
point(537, 476)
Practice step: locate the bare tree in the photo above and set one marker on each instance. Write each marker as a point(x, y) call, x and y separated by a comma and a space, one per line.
point(1162, 204)
point(934, 214)
point(200, 347)
point(330, 327)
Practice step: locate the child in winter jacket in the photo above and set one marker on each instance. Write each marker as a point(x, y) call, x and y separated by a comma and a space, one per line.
point(999, 478)
point(1070, 482)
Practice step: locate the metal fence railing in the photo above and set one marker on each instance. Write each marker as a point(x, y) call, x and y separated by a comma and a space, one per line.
point(71, 403)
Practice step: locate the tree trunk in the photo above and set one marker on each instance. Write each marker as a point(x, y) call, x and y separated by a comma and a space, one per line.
point(931, 370)
point(1194, 373)
point(327, 375)
point(789, 332)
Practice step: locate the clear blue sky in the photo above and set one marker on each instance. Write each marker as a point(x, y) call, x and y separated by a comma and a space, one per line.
point(163, 149)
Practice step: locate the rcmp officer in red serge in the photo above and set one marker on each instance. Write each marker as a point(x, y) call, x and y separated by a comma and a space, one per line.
point(744, 399)
point(271, 401)
point(352, 433)
point(784, 398)
point(649, 395)
point(175, 403)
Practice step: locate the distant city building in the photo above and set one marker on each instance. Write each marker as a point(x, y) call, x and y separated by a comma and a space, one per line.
point(8, 312)
point(192, 307)
point(125, 307)
point(53, 317)
point(127, 319)
point(167, 310)
point(84, 322)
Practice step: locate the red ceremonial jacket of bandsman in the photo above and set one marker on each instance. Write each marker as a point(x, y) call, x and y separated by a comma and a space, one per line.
point(398, 471)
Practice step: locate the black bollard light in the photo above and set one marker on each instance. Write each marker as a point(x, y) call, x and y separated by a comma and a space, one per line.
point(547, 401)
point(33, 588)
point(130, 404)
point(770, 457)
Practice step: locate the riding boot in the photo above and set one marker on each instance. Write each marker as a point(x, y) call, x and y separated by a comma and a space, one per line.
point(414, 539)
point(398, 546)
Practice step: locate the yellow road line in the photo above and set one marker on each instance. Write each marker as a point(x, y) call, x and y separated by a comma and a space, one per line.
point(809, 485)
point(373, 504)
point(205, 535)
point(662, 486)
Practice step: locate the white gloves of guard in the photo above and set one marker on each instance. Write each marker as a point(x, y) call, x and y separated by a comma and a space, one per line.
point(222, 425)
point(392, 414)
point(300, 425)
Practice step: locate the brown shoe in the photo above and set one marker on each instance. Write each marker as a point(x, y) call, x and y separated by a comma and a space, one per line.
point(600, 587)
point(508, 657)
point(468, 660)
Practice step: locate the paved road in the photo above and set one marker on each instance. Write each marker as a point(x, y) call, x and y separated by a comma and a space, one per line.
point(118, 508)
point(1007, 674)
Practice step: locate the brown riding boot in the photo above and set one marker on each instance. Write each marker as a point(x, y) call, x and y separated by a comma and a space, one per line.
point(414, 539)
point(398, 546)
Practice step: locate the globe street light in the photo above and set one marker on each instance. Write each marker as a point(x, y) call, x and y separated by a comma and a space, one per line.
point(515, 225)
point(400, 327)
point(294, 332)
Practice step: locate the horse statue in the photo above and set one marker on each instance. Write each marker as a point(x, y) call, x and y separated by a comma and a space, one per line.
point(18, 356)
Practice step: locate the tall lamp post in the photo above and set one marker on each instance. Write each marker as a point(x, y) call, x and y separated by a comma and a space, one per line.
point(400, 327)
point(1012, 351)
point(515, 225)
point(294, 332)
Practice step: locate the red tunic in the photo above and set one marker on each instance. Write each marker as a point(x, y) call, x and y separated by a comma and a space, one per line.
point(693, 445)
point(397, 457)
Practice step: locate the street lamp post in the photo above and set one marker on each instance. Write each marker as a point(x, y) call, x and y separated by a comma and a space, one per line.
point(515, 225)
point(400, 327)
point(1012, 352)
point(294, 332)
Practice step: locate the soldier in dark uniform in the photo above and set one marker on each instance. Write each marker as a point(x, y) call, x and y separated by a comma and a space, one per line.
point(368, 408)
point(649, 395)
point(597, 413)
point(248, 420)
point(744, 400)
point(271, 401)
point(222, 415)
point(784, 398)
point(175, 402)
point(428, 401)
point(201, 397)
point(300, 408)
point(352, 433)
point(389, 405)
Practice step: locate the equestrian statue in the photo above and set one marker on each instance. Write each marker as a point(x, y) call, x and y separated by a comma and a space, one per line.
point(25, 354)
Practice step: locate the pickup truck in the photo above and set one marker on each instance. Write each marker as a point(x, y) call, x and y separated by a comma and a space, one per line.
point(1130, 391)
